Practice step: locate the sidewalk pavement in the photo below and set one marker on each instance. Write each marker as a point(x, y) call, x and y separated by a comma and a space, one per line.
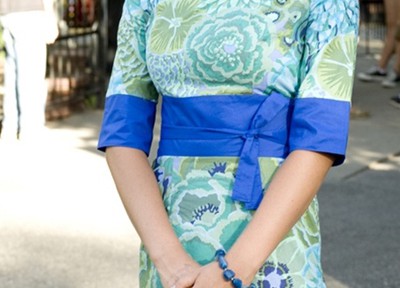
point(62, 224)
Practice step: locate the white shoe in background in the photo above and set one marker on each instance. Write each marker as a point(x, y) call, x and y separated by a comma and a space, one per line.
point(372, 74)
point(391, 80)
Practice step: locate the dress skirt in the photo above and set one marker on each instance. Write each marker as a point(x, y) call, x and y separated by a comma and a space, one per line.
point(197, 195)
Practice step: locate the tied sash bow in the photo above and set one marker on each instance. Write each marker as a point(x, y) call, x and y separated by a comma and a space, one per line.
point(248, 185)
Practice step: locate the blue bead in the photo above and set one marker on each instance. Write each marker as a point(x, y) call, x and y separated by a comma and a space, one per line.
point(252, 286)
point(228, 274)
point(222, 262)
point(220, 252)
point(237, 283)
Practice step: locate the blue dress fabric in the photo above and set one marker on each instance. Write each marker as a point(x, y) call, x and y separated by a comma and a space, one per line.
point(243, 84)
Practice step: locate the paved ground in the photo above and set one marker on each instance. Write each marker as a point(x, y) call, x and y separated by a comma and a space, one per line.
point(360, 200)
point(62, 225)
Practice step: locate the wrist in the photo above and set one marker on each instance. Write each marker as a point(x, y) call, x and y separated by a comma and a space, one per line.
point(237, 278)
point(170, 260)
point(244, 268)
point(175, 266)
point(169, 255)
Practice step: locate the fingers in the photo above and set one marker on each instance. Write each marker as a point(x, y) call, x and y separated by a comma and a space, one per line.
point(186, 281)
point(184, 278)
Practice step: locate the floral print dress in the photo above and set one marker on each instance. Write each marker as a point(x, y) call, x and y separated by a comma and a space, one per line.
point(242, 83)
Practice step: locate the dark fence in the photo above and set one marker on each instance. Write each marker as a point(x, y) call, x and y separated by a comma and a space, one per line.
point(372, 22)
point(77, 61)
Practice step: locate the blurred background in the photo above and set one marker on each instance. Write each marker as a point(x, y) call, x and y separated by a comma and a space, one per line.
point(80, 60)
point(61, 221)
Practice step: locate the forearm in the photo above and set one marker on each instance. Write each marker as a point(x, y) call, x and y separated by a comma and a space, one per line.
point(139, 192)
point(287, 197)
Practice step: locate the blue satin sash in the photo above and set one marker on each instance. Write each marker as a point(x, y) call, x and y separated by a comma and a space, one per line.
point(244, 126)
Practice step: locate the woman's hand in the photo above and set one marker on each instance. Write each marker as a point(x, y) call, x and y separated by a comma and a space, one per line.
point(289, 194)
point(142, 199)
point(211, 276)
point(181, 274)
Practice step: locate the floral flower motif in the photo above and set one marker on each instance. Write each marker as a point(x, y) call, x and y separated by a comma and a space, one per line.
point(169, 74)
point(218, 168)
point(205, 220)
point(173, 20)
point(194, 206)
point(231, 48)
point(296, 260)
point(203, 210)
point(197, 205)
point(276, 276)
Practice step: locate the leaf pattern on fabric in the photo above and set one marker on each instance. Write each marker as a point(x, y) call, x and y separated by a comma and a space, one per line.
point(173, 20)
point(335, 71)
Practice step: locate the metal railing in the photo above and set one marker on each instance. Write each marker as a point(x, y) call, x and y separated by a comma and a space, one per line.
point(76, 70)
point(372, 22)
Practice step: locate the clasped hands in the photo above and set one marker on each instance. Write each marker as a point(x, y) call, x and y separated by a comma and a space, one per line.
point(195, 276)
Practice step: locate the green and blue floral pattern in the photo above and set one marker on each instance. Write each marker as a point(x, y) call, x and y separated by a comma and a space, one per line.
point(235, 48)
point(196, 193)
point(131, 56)
point(186, 48)
point(193, 48)
point(173, 20)
point(215, 6)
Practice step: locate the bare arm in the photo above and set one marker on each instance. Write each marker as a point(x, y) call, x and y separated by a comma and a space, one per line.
point(288, 196)
point(141, 197)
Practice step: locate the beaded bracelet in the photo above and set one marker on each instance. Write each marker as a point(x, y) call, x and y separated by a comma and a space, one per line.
point(228, 274)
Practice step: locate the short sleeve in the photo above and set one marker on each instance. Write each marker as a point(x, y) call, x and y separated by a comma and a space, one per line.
point(321, 111)
point(131, 98)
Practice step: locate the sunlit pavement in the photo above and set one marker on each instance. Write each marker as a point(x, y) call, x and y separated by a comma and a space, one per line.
point(62, 223)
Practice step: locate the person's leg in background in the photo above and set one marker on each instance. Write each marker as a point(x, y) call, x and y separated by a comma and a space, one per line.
point(395, 100)
point(393, 77)
point(391, 14)
point(379, 71)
